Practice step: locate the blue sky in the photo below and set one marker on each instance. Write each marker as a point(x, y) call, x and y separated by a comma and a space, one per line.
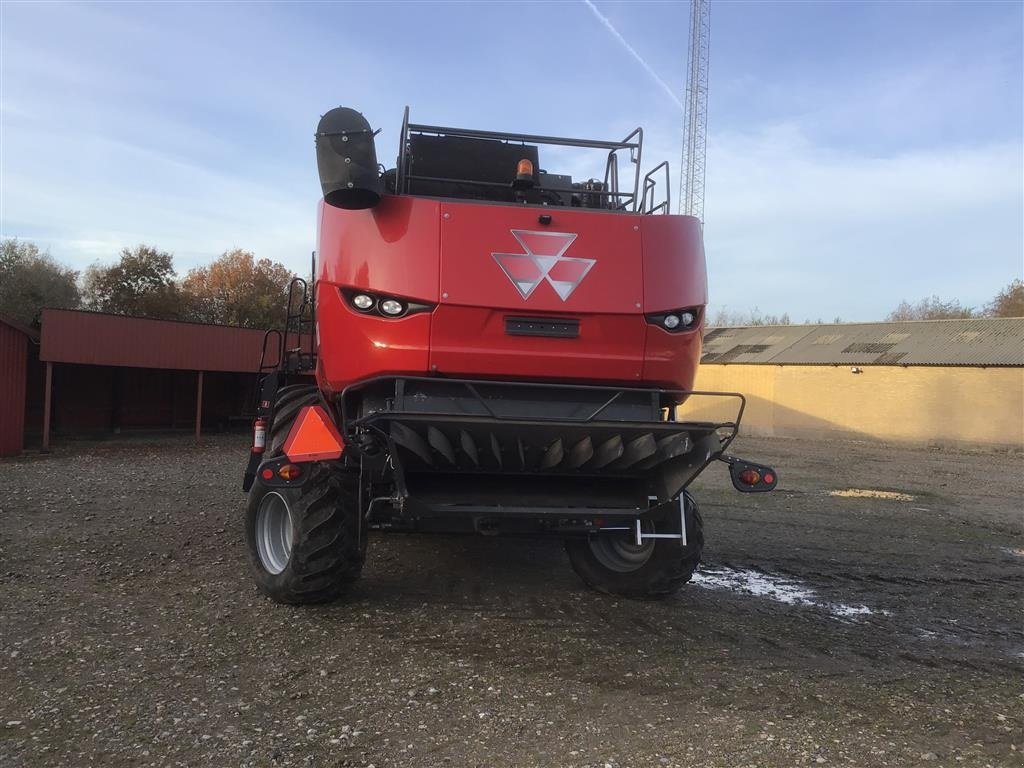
point(859, 153)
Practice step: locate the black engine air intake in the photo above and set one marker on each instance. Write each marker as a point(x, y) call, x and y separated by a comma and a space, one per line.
point(347, 160)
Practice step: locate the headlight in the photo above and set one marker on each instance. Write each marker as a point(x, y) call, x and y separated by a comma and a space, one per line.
point(391, 307)
point(675, 320)
point(388, 307)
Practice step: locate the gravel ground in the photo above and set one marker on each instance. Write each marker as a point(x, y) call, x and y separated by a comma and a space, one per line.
point(823, 630)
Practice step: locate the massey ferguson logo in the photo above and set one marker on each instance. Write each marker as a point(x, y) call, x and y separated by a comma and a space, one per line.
point(542, 261)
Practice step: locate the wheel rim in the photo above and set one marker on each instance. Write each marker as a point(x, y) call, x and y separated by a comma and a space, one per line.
point(620, 553)
point(274, 532)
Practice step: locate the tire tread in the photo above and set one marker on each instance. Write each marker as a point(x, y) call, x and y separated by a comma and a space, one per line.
point(670, 567)
point(328, 550)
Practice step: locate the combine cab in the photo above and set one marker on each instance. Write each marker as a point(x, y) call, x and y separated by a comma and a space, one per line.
point(498, 349)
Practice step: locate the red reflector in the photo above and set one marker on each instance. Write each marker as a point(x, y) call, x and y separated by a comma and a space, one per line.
point(267, 473)
point(599, 522)
point(313, 437)
point(750, 477)
point(289, 472)
point(769, 478)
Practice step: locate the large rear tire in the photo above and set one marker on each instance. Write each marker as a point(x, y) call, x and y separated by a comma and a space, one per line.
point(612, 563)
point(305, 544)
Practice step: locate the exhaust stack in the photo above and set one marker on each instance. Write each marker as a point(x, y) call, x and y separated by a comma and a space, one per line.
point(346, 159)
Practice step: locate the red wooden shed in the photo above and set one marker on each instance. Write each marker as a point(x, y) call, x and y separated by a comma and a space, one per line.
point(14, 341)
point(112, 372)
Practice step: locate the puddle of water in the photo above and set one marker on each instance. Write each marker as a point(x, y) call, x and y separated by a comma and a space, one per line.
point(852, 610)
point(777, 588)
point(754, 583)
point(863, 493)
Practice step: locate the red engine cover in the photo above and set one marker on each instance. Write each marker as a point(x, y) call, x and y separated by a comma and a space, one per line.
point(500, 256)
point(482, 263)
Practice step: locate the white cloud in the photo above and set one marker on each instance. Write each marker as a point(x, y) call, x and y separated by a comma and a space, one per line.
point(112, 194)
point(792, 226)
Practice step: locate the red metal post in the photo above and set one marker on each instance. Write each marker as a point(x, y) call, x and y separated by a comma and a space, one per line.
point(199, 404)
point(47, 400)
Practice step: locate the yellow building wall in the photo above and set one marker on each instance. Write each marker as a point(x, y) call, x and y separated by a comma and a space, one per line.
point(918, 404)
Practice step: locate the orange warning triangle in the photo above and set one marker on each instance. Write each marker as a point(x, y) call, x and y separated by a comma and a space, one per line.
point(313, 437)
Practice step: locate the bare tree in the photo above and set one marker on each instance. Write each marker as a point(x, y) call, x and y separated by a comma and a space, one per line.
point(1009, 302)
point(932, 308)
point(726, 317)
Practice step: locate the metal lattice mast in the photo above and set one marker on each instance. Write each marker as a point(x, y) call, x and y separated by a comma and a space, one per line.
point(695, 113)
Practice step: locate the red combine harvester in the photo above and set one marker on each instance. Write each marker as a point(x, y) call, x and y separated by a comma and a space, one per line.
point(498, 349)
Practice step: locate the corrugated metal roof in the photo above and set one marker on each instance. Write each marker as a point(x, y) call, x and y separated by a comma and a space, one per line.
point(92, 338)
point(970, 342)
point(757, 344)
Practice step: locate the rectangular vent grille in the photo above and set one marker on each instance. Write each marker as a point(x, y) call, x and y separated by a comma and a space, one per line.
point(542, 326)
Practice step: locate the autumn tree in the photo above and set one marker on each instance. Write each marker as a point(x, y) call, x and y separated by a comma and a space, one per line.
point(932, 308)
point(31, 279)
point(238, 289)
point(1009, 302)
point(141, 283)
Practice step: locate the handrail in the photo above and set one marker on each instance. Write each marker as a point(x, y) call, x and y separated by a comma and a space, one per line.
point(470, 385)
point(264, 366)
point(633, 142)
point(538, 187)
point(639, 146)
point(649, 186)
point(611, 174)
point(472, 133)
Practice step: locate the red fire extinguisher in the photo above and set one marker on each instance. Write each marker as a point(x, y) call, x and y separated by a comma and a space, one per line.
point(259, 435)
